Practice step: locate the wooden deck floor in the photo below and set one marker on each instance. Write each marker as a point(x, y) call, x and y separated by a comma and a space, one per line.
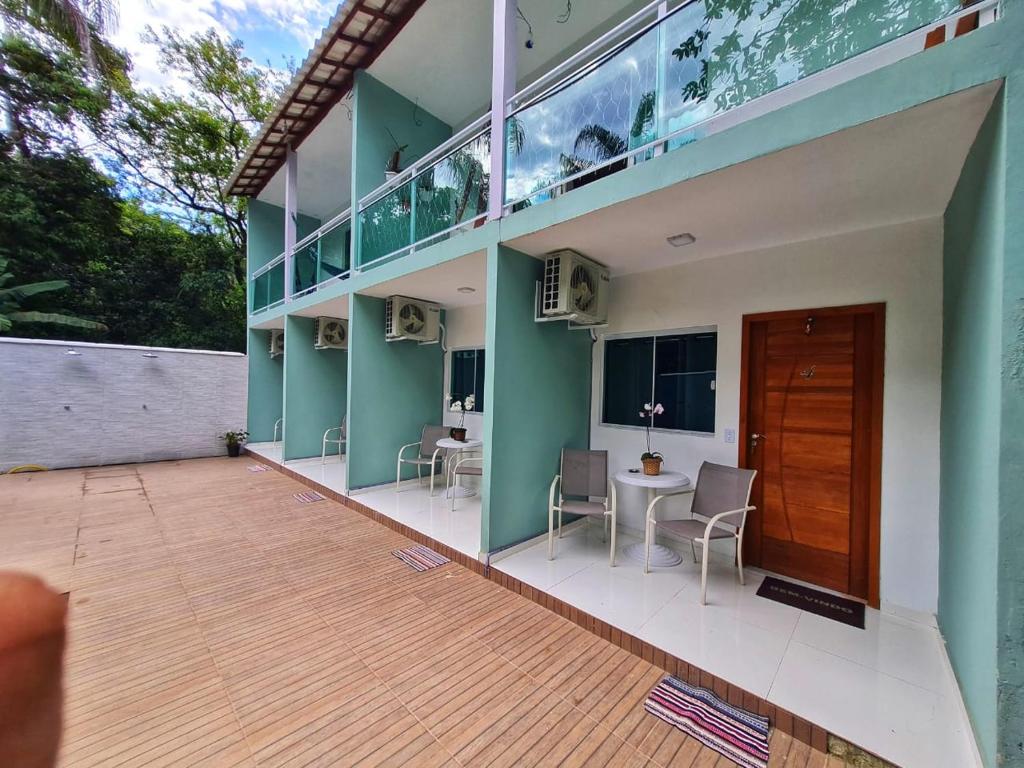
point(216, 621)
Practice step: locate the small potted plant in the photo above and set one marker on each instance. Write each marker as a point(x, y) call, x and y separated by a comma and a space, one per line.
point(651, 459)
point(461, 407)
point(234, 441)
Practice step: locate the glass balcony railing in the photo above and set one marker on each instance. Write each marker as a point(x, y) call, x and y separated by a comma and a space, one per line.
point(438, 196)
point(663, 86)
point(266, 287)
point(323, 256)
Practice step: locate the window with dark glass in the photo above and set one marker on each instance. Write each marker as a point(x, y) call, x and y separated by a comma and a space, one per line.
point(676, 370)
point(467, 376)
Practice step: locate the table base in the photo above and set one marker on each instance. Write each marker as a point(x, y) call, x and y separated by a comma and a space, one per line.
point(460, 492)
point(661, 556)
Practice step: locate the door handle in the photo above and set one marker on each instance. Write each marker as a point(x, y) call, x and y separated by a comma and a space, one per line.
point(754, 438)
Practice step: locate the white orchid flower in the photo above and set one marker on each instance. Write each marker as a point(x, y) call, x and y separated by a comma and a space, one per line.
point(658, 409)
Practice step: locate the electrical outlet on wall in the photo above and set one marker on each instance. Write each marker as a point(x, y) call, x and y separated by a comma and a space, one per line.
point(730, 435)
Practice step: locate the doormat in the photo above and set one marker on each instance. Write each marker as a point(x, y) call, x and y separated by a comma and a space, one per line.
point(813, 600)
point(734, 733)
point(420, 557)
point(308, 497)
point(258, 468)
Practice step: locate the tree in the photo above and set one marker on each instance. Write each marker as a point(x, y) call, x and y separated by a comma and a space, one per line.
point(178, 151)
point(45, 93)
point(79, 25)
point(12, 296)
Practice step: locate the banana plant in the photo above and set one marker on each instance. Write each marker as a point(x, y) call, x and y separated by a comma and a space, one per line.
point(12, 296)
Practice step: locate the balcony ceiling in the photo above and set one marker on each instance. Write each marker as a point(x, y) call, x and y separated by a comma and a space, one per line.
point(441, 282)
point(442, 57)
point(899, 168)
point(325, 167)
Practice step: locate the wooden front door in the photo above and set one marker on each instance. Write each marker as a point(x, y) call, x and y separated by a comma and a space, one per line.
point(811, 425)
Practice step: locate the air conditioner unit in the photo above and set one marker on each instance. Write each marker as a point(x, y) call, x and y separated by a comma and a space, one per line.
point(276, 343)
point(411, 319)
point(330, 333)
point(575, 287)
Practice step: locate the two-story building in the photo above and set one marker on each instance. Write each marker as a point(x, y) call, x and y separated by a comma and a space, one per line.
point(796, 225)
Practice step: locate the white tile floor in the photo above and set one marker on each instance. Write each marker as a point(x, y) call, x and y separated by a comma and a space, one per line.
point(887, 688)
point(413, 506)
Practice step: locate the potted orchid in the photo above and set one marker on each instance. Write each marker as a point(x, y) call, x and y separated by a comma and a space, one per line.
point(461, 407)
point(651, 459)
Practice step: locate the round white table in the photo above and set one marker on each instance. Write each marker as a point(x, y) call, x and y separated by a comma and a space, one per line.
point(458, 491)
point(668, 483)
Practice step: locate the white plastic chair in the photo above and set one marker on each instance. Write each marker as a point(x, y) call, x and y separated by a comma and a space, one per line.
point(341, 440)
point(427, 455)
point(583, 474)
point(471, 466)
point(278, 425)
point(721, 492)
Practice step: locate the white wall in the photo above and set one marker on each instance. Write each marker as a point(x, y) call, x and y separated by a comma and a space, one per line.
point(111, 405)
point(900, 265)
point(464, 329)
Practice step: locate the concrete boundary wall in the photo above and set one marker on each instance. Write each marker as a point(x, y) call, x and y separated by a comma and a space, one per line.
point(111, 404)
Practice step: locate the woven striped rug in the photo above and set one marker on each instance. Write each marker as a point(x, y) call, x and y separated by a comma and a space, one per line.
point(732, 732)
point(308, 497)
point(420, 557)
point(258, 468)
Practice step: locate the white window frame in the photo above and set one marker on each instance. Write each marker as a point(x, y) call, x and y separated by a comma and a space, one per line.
point(654, 362)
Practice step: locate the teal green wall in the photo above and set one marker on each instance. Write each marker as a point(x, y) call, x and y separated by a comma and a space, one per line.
point(266, 388)
point(315, 389)
point(969, 523)
point(265, 232)
point(377, 109)
point(1010, 608)
point(394, 389)
point(537, 386)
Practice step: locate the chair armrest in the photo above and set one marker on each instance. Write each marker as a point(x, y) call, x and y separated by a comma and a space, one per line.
point(551, 492)
point(407, 445)
point(609, 501)
point(464, 460)
point(714, 520)
point(332, 429)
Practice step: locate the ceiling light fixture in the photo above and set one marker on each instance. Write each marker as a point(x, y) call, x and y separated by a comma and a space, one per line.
point(72, 352)
point(466, 289)
point(683, 238)
point(149, 354)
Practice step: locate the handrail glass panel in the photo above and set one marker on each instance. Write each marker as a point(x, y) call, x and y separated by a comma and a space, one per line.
point(259, 291)
point(450, 192)
point(275, 284)
point(326, 257)
point(703, 59)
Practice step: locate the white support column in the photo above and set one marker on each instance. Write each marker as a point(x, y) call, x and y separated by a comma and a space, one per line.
point(503, 83)
point(291, 213)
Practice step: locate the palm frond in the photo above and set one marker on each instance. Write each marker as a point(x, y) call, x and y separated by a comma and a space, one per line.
point(602, 142)
point(52, 318)
point(19, 292)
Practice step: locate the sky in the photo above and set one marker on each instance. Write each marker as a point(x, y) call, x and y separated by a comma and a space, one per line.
point(272, 31)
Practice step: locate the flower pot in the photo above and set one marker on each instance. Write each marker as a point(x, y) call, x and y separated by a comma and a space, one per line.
point(458, 433)
point(234, 449)
point(652, 466)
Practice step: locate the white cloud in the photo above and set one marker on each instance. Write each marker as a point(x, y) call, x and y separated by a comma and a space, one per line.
point(302, 20)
